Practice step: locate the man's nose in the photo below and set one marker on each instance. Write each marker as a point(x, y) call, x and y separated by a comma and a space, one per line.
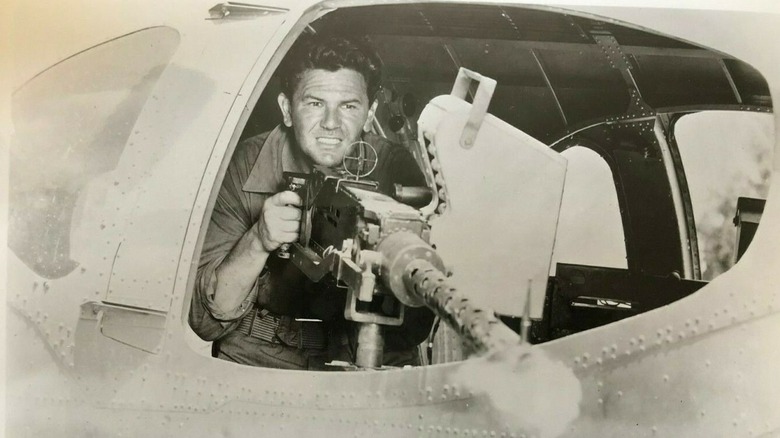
point(331, 119)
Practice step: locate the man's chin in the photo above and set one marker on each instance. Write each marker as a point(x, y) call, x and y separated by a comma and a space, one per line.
point(329, 160)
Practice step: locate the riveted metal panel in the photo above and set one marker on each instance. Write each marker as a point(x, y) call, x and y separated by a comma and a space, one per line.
point(168, 151)
point(73, 122)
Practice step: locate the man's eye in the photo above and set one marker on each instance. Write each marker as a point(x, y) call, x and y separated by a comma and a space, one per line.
point(350, 106)
point(314, 103)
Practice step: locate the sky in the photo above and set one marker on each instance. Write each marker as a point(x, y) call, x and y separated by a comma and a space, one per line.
point(726, 155)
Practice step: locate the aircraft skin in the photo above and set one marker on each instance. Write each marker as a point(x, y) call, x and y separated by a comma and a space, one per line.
point(106, 351)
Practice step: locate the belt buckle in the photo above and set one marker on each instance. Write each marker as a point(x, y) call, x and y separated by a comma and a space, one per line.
point(310, 332)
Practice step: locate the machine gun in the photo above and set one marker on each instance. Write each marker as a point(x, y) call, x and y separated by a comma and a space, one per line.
point(378, 248)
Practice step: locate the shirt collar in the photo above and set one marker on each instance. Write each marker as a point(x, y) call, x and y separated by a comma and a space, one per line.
point(277, 155)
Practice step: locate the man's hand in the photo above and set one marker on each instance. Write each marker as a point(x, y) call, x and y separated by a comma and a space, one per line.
point(279, 220)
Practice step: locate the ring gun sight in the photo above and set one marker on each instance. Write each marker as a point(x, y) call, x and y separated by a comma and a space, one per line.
point(364, 239)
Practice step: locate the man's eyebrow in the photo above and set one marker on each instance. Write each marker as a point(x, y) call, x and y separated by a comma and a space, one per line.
point(309, 96)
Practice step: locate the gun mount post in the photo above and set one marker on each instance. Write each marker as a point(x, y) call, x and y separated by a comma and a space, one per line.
point(370, 346)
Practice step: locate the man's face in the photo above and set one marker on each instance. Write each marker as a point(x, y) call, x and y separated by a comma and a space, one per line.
point(327, 112)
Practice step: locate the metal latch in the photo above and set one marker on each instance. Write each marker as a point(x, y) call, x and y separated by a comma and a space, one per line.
point(479, 106)
point(143, 329)
point(242, 10)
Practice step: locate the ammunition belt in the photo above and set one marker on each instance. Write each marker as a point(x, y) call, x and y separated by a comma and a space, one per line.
point(282, 329)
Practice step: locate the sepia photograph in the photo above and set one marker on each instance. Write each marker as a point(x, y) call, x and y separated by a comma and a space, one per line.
point(370, 218)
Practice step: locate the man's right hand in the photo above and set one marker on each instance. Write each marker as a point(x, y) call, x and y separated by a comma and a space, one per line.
point(279, 220)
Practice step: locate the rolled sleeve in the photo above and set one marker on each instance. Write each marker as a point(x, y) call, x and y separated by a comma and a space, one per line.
point(234, 213)
point(201, 319)
point(207, 287)
point(208, 319)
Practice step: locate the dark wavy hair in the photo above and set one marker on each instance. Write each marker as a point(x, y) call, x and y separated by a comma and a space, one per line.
point(331, 53)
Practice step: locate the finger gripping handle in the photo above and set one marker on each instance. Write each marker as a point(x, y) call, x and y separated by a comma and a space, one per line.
point(294, 183)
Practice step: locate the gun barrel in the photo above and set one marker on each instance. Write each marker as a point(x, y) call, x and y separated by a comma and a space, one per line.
point(412, 270)
point(478, 326)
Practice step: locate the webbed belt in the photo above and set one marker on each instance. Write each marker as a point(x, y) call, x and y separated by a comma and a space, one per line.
point(282, 329)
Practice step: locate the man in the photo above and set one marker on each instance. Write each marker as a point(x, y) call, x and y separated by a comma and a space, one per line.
point(258, 308)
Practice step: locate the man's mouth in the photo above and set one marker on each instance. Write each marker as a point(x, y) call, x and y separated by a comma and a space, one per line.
point(329, 140)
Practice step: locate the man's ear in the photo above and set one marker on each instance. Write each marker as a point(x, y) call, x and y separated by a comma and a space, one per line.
point(370, 118)
point(285, 107)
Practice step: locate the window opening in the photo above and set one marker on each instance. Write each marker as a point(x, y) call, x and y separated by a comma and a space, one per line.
point(726, 155)
point(590, 229)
